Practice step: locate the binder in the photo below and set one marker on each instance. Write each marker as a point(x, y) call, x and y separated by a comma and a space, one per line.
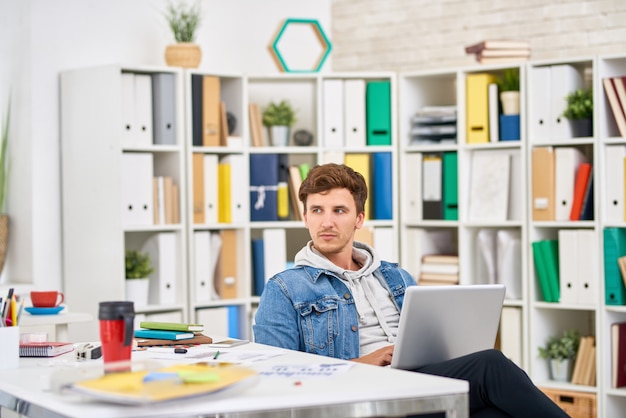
point(211, 188)
point(494, 101)
point(543, 183)
point(618, 354)
point(168, 199)
point(163, 252)
point(511, 333)
point(614, 182)
point(539, 109)
point(354, 112)
point(263, 187)
point(412, 193)
point(477, 97)
point(567, 160)
point(137, 192)
point(587, 267)
point(274, 251)
point(227, 283)
point(614, 247)
point(164, 108)
point(378, 112)
point(382, 190)
point(489, 186)
point(222, 320)
point(224, 214)
point(384, 244)
point(238, 187)
point(365, 235)
point(486, 266)
point(196, 110)
point(283, 186)
point(517, 199)
point(551, 256)
point(432, 185)
point(361, 164)
point(127, 108)
point(564, 79)
point(143, 110)
point(210, 111)
point(197, 167)
point(587, 211)
point(258, 266)
point(509, 262)
point(583, 177)
point(333, 129)
point(542, 273)
point(204, 260)
point(568, 265)
point(450, 187)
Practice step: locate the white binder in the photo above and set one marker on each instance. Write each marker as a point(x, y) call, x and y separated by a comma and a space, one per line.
point(238, 187)
point(333, 129)
point(614, 203)
point(511, 333)
point(517, 204)
point(413, 189)
point(205, 257)
point(566, 163)
point(163, 252)
point(384, 245)
point(211, 187)
point(568, 265)
point(354, 121)
point(127, 108)
point(587, 267)
point(137, 190)
point(539, 108)
point(143, 109)
point(274, 251)
point(486, 271)
point(509, 262)
point(564, 79)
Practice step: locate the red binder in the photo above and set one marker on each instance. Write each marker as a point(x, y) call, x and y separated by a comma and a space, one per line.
point(580, 186)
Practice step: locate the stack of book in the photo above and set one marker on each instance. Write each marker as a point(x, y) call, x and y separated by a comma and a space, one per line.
point(584, 372)
point(434, 125)
point(499, 51)
point(169, 333)
point(439, 269)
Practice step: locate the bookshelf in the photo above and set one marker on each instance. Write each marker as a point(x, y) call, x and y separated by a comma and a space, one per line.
point(108, 207)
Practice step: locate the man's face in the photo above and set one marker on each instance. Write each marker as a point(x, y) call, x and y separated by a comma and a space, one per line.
point(332, 219)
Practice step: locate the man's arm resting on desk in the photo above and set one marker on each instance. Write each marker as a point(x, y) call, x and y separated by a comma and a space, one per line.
point(380, 357)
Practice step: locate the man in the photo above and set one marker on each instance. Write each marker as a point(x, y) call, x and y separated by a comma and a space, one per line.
point(340, 300)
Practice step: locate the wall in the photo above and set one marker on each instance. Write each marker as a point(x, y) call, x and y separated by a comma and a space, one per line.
point(419, 34)
point(40, 38)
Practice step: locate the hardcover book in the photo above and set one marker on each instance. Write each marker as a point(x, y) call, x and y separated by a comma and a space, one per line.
point(163, 335)
point(171, 326)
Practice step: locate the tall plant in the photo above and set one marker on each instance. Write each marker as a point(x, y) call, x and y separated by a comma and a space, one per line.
point(183, 21)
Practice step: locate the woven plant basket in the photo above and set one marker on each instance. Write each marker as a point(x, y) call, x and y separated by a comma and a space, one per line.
point(183, 54)
point(4, 239)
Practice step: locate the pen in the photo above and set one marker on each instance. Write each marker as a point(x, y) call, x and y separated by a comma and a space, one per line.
point(217, 353)
point(13, 312)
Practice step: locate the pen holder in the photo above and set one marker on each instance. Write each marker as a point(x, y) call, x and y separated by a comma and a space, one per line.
point(9, 347)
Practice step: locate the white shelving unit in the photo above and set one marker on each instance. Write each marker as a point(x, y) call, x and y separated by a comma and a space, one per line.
point(95, 231)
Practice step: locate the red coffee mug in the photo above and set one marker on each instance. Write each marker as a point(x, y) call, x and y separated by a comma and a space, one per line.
point(46, 299)
point(116, 334)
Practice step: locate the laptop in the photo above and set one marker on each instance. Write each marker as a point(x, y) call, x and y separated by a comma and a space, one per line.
point(439, 323)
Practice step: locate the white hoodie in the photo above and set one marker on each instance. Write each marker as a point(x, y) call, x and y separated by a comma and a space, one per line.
point(378, 316)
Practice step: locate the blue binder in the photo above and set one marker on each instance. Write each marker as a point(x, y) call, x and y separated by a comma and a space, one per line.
point(263, 187)
point(258, 266)
point(382, 190)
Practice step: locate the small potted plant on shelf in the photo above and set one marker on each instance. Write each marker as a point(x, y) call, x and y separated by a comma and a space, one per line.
point(508, 86)
point(561, 352)
point(279, 118)
point(579, 111)
point(138, 268)
point(183, 21)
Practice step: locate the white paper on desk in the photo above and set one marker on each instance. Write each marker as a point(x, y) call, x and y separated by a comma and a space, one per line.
point(196, 354)
point(306, 370)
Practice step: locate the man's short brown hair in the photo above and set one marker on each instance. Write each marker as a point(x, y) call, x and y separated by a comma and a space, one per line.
point(325, 177)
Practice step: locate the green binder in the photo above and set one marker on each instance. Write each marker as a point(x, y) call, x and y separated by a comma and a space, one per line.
point(614, 247)
point(378, 112)
point(450, 187)
point(551, 256)
point(541, 271)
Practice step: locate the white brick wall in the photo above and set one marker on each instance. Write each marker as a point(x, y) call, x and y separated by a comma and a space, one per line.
point(399, 35)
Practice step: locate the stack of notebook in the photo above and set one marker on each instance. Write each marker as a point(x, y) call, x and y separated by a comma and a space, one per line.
point(499, 51)
point(434, 125)
point(168, 333)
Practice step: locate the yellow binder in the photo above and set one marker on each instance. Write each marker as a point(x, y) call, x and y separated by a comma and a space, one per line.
point(477, 107)
point(361, 164)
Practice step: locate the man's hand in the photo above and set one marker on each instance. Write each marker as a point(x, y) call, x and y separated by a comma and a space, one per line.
point(380, 357)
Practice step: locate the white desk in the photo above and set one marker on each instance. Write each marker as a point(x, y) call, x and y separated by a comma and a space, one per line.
point(362, 391)
point(59, 321)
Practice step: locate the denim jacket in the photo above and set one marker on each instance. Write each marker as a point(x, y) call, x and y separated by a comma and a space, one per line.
point(310, 309)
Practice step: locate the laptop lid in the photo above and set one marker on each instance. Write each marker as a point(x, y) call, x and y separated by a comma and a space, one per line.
point(439, 323)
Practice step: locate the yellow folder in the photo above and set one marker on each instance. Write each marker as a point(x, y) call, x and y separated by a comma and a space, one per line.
point(477, 107)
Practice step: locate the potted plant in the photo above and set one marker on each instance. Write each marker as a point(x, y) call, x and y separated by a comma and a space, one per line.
point(279, 118)
point(138, 268)
point(579, 111)
point(183, 21)
point(508, 86)
point(561, 352)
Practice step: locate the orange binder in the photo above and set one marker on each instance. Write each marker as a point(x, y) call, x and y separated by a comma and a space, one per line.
point(197, 163)
point(543, 183)
point(477, 107)
point(227, 282)
point(211, 112)
point(580, 187)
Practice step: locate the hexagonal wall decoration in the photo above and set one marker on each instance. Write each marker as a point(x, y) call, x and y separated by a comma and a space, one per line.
point(294, 45)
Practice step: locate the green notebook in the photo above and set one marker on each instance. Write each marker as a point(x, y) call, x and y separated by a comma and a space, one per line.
point(171, 326)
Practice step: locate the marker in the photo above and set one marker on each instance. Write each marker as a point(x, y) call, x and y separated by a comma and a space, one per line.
point(217, 354)
point(180, 350)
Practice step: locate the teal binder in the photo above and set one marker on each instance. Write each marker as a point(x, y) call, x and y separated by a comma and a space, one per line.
point(614, 247)
point(378, 112)
point(450, 187)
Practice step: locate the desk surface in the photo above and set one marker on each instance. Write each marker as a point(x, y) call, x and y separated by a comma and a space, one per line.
point(363, 390)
